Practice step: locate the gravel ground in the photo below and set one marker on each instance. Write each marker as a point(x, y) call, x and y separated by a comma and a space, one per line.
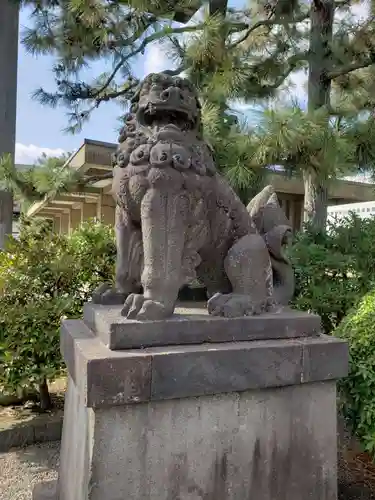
point(21, 469)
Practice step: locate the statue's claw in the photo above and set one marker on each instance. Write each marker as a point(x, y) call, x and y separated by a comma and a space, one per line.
point(106, 295)
point(232, 305)
point(141, 308)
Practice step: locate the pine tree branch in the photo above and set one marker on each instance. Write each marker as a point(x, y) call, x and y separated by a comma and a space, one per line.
point(118, 93)
point(354, 66)
point(123, 59)
point(111, 44)
point(112, 76)
point(291, 65)
point(269, 22)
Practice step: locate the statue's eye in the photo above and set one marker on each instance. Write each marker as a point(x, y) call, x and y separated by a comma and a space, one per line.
point(163, 156)
point(178, 158)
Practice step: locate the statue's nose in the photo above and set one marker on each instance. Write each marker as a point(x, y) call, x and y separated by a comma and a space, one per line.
point(171, 93)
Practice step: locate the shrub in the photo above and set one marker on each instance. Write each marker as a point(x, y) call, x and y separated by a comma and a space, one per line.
point(335, 269)
point(44, 277)
point(93, 250)
point(358, 389)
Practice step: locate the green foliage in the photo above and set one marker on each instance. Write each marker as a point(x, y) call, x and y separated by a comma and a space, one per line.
point(94, 251)
point(44, 277)
point(357, 390)
point(246, 52)
point(334, 269)
point(234, 150)
point(48, 176)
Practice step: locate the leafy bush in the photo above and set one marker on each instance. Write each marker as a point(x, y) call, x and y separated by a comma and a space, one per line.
point(93, 249)
point(358, 389)
point(44, 277)
point(335, 269)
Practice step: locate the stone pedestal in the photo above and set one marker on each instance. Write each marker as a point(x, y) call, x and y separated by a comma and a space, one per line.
point(197, 407)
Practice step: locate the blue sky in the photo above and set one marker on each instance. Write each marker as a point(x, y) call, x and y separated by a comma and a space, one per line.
point(40, 127)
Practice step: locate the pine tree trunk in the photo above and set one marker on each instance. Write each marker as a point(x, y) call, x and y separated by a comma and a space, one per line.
point(44, 396)
point(316, 200)
point(319, 89)
point(6, 216)
point(8, 100)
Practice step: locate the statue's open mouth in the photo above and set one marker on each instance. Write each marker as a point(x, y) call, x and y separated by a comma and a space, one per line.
point(157, 115)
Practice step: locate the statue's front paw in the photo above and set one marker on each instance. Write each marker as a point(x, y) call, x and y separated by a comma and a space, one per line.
point(138, 307)
point(233, 305)
point(106, 295)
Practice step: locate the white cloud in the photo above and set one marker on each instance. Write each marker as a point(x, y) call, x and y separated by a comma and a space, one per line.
point(27, 154)
point(296, 87)
point(240, 105)
point(156, 59)
point(361, 10)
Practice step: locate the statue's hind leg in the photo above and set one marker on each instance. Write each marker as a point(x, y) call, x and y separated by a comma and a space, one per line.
point(249, 270)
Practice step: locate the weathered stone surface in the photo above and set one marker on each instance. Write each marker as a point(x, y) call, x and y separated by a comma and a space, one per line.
point(275, 444)
point(215, 368)
point(192, 325)
point(272, 223)
point(324, 361)
point(77, 446)
point(45, 491)
point(108, 377)
point(118, 378)
point(177, 218)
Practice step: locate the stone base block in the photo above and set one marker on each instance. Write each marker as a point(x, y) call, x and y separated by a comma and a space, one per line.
point(244, 420)
point(259, 445)
point(191, 324)
point(45, 491)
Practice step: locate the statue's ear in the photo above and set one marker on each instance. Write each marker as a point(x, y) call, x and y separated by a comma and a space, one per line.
point(266, 212)
point(274, 215)
point(260, 200)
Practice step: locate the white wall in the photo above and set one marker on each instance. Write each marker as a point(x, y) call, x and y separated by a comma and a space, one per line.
point(363, 210)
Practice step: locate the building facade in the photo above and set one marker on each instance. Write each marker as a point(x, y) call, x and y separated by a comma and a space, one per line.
point(363, 210)
point(93, 158)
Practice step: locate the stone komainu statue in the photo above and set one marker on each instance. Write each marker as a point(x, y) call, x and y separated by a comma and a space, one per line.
point(177, 218)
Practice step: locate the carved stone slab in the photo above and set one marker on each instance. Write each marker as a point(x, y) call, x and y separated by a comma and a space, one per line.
point(191, 324)
point(133, 376)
